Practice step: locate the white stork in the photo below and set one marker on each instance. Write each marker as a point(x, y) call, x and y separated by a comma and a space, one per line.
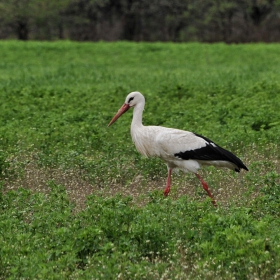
point(180, 149)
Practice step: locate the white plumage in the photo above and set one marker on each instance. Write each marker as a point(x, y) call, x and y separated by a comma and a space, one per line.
point(180, 149)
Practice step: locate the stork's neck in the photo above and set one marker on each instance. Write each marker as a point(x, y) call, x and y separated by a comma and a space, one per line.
point(139, 134)
point(137, 115)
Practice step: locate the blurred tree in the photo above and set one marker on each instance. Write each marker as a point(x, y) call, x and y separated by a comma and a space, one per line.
point(164, 18)
point(21, 15)
point(88, 17)
point(138, 20)
point(142, 20)
point(17, 14)
point(257, 10)
point(50, 18)
point(254, 14)
point(231, 20)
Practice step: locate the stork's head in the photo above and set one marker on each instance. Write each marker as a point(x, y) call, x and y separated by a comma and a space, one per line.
point(131, 100)
point(134, 98)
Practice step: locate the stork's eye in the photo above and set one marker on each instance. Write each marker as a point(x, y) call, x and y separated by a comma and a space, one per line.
point(131, 98)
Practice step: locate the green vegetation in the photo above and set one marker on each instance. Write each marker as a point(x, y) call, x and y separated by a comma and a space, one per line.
point(77, 200)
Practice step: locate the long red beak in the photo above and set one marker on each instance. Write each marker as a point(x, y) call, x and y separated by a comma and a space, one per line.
point(122, 110)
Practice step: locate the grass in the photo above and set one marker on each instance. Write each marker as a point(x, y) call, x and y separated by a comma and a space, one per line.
point(79, 202)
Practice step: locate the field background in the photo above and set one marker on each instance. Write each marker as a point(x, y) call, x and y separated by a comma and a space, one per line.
point(79, 202)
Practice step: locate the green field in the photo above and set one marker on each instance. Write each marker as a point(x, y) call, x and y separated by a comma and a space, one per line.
point(78, 202)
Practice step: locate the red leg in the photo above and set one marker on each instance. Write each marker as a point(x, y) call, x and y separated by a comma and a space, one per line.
point(205, 186)
point(168, 183)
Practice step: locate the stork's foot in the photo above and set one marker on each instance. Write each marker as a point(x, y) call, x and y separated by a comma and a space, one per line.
point(166, 191)
point(206, 188)
point(214, 202)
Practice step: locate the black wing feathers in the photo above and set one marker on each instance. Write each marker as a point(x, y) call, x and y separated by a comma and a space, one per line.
point(212, 152)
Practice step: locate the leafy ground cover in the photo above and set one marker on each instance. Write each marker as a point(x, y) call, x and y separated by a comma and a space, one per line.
point(77, 201)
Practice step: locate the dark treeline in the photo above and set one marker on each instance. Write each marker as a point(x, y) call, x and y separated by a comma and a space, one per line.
point(141, 20)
